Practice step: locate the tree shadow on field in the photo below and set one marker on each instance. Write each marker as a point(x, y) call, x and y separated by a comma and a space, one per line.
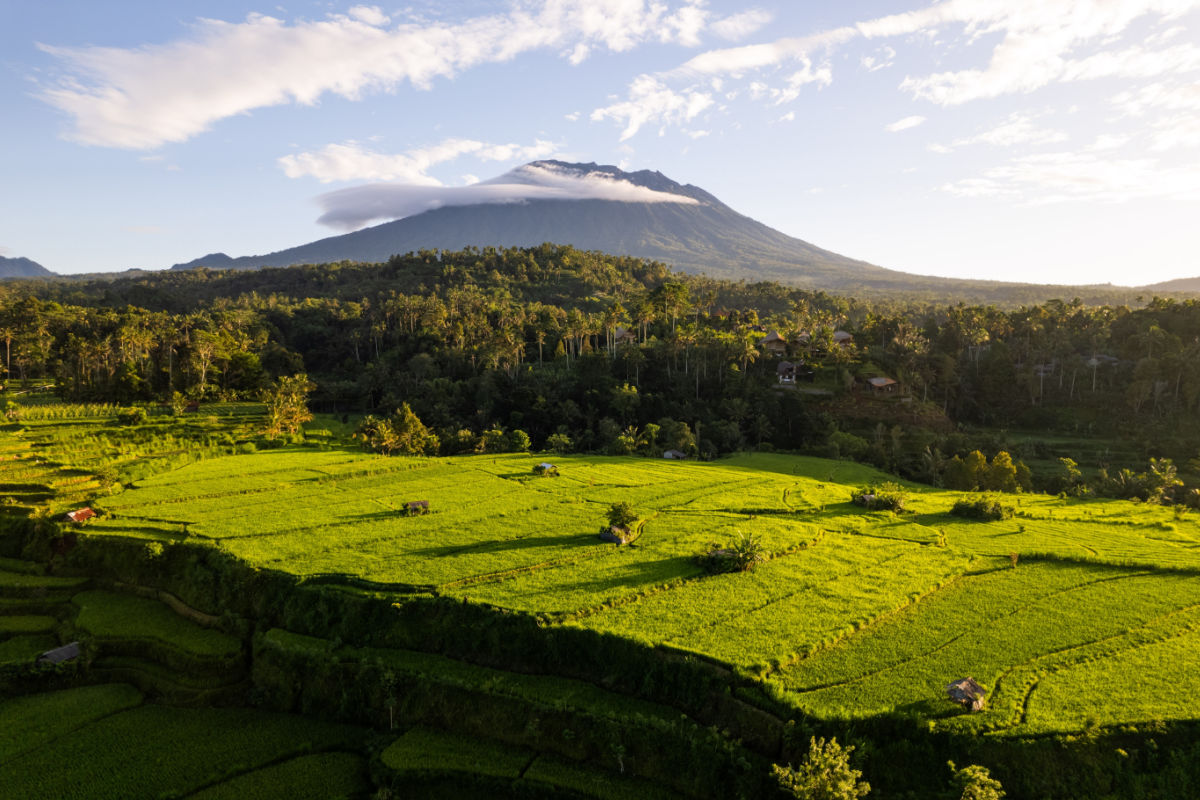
point(639, 573)
point(581, 540)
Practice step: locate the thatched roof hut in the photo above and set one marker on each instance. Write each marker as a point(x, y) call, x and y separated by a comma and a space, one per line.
point(968, 693)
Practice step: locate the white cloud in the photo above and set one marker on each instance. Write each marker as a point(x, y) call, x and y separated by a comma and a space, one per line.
point(1058, 177)
point(1029, 44)
point(1017, 129)
point(354, 207)
point(651, 101)
point(143, 97)
point(351, 161)
point(788, 117)
point(1039, 44)
point(738, 60)
point(884, 60)
point(1108, 141)
point(904, 124)
point(370, 15)
point(739, 26)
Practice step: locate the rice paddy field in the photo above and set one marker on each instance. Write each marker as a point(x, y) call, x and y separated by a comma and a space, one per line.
point(1074, 613)
point(105, 741)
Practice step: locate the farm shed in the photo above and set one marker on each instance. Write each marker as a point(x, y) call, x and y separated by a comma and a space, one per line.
point(545, 468)
point(68, 652)
point(883, 385)
point(615, 535)
point(624, 336)
point(786, 371)
point(79, 515)
point(968, 693)
point(416, 507)
point(674, 454)
point(842, 338)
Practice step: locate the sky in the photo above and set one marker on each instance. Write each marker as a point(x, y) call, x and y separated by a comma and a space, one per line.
point(1048, 141)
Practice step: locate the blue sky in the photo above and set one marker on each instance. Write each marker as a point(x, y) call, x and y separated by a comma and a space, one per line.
point(1054, 141)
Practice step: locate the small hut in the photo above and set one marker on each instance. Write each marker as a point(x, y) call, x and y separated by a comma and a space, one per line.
point(81, 514)
point(883, 385)
point(545, 468)
point(968, 694)
point(68, 652)
point(624, 336)
point(415, 508)
point(614, 534)
point(774, 343)
point(677, 455)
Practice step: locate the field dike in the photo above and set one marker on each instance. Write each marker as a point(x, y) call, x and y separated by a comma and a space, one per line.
point(578, 702)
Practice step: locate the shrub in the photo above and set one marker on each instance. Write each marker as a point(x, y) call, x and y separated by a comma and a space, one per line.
point(976, 783)
point(132, 416)
point(881, 497)
point(825, 774)
point(984, 508)
point(740, 555)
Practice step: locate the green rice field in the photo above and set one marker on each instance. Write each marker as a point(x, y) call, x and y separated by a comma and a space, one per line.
point(854, 613)
point(104, 742)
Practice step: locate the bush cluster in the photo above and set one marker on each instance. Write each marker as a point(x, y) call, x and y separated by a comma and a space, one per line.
point(886, 496)
point(985, 508)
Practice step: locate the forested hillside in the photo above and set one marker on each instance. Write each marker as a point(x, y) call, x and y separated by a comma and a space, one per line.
point(606, 353)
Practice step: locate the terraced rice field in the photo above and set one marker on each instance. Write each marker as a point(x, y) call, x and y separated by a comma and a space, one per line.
point(855, 613)
point(103, 742)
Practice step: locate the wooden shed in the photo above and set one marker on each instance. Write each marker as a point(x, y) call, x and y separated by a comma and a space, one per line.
point(968, 693)
point(545, 468)
point(80, 514)
point(416, 507)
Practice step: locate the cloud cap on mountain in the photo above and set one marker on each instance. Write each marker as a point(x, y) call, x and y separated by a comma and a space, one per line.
point(354, 207)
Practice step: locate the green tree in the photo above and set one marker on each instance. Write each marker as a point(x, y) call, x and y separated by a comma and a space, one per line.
point(287, 405)
point(621, 515)
point(825, 774)
point(559, 442)
point(1001, 475)
point(518, 441)
point(976, 783)
point(976, 468)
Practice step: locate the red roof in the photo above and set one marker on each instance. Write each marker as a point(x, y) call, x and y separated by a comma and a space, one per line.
point(80, 515)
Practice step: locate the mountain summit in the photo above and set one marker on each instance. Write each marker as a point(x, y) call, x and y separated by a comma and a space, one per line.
point(590, 206)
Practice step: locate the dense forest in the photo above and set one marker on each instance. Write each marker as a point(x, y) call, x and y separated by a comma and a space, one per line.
point(583, 351)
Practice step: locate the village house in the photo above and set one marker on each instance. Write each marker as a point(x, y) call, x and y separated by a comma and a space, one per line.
point(624, 336)
point(773, 343)
point(883, 385)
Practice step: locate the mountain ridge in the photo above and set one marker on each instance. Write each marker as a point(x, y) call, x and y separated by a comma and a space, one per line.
point(20, 267)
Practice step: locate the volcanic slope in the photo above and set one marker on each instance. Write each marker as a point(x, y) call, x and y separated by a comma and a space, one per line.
point(699, 234)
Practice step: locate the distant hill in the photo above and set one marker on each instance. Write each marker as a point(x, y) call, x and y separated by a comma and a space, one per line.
point(1177, 285)
point(22, 268)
